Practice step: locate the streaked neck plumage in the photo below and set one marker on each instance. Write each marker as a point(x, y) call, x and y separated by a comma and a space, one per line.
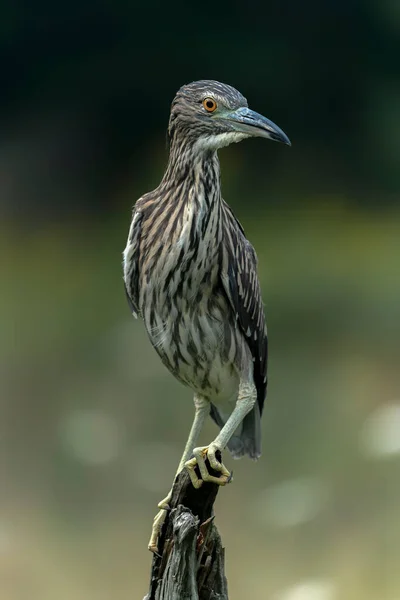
point(192, 174)
point(186, 216)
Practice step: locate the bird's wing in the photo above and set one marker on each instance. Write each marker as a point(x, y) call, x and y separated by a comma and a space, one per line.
point(241, 284)
point(131, 262)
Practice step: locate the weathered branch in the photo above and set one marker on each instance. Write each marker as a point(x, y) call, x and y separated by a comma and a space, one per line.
point(190, 565)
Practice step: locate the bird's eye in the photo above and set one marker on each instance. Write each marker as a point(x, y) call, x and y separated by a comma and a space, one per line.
point(209, 104)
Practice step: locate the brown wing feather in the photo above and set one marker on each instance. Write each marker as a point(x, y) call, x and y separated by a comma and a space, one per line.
point(241, 284)
point(131, 262)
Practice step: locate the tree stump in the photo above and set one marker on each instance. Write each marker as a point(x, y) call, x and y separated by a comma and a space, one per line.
point(190, 564)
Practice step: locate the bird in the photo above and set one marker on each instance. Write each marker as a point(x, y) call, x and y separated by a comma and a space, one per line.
point(191, 274)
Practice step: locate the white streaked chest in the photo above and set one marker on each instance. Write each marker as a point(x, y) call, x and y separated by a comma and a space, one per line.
point(186, 271)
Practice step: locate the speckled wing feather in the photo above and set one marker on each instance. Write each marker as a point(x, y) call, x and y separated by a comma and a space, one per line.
point(131, 262)
point(241, 284)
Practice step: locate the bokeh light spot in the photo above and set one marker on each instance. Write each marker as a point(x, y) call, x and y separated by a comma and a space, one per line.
point(91, 436)
point(291, 502)
point(380, 435)
point(308, 590)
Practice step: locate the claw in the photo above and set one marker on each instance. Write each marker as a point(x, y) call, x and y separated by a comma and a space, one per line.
point(201, 455)
point(155, 532)
point(158, 523)
point(199, 460)
point(154, 550)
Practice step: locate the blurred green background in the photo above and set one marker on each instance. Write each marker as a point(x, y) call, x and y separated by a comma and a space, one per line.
point(91, 424)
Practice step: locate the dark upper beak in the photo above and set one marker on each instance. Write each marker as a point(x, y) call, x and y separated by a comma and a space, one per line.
point(247, 121)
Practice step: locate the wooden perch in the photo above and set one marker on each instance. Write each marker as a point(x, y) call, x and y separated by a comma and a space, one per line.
point(190, 565)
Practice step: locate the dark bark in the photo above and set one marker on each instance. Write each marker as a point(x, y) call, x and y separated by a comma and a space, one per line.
point(190, 564)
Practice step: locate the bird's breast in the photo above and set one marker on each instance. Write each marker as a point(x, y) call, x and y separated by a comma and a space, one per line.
point(197, 341)
point(184, 308)
point(180, 259)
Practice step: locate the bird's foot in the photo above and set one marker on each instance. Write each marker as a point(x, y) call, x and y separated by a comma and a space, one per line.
point(158, 522)
point(199, 460)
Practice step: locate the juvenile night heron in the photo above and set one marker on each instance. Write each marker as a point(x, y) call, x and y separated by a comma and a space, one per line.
point(191, 274)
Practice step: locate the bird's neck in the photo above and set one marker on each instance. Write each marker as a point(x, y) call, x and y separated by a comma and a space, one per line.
point(195, 171)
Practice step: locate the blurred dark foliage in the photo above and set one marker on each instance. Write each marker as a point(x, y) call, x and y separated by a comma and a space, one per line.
point(90, 85)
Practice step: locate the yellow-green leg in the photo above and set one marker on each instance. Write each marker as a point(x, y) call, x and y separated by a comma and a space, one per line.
point(202, 409)
point(244, 404)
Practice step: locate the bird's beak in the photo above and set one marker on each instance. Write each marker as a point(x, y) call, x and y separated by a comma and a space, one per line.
point(247, 121)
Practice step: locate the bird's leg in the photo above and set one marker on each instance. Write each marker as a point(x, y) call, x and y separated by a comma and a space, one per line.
point(202, 408)
point(245, 402)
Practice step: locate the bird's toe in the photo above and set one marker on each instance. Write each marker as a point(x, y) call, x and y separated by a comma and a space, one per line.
point(201, 455)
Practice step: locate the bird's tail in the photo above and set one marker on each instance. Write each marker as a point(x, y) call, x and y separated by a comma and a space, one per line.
point(247, 438)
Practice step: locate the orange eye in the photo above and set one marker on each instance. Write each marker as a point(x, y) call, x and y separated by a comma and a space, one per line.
point(209, 104)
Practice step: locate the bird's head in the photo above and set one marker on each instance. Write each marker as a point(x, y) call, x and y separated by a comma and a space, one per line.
point(212, 115)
